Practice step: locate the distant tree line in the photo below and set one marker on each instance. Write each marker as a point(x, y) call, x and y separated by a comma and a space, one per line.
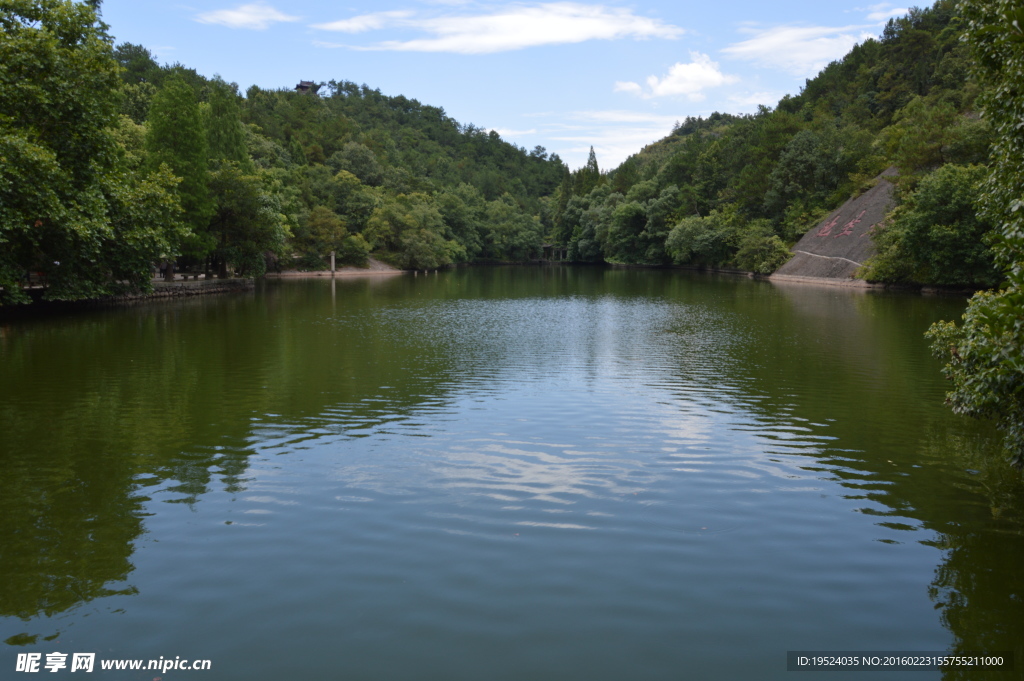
point(350, 171)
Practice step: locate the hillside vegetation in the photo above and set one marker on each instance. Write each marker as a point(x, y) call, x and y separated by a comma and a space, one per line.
point(113, 162)
point(737, 190)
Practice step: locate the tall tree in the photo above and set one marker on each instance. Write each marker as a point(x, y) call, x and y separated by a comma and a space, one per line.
point(176, 137)
point(138, 64)
point(246, 221)
point(225, 136)
point(587, 177)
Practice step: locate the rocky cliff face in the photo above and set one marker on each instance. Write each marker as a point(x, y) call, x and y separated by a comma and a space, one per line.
point(838, 246)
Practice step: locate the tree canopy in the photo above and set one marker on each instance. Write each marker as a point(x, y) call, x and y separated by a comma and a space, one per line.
point(68, 208)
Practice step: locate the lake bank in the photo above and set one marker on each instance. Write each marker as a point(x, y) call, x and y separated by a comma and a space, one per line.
point(162, 291)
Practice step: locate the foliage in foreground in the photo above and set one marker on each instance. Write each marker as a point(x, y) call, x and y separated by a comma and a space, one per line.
point(69, 207)
point(985, 354)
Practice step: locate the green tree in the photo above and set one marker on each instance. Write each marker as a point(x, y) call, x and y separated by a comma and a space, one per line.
point(589, 217)
point(360, 161)
point(136, 99)
point(762, 252)
point(409, 228)
point(144, 212)
point(176, 137)
point(709, 240)
point(508, 233)
point(327, 232)
point(326, 229)
point(804, 170)
point(247, 222)
point(624, 241)
point(985, 355)
point(225, 136)
point(137, 64)
point(918, 139)
point(352, 199)
point(587, 177)
point(936, 235)
point(68, 206)
point(463, 209)
point(662, 213)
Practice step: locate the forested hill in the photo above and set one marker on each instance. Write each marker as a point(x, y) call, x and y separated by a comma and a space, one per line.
point(427, 149)
point(737, 190)
point(348, 162)
point(430, 147)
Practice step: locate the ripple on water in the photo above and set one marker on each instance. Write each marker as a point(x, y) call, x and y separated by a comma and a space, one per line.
point(599, 485)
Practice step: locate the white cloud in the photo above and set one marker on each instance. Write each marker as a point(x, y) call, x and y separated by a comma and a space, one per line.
point(615, 134)
point(884, 11)
point(750, 101)
point(800, 50)
point(620, 116)
point(257, 17)
point(689, 80)
point(508, 132)
point(365, 22)
point(514, 27)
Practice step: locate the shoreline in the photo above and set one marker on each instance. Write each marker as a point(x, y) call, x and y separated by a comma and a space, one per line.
point(866, 286)
point(293, 274)
point(165, 290)
point(162, 291)
point(373, 267)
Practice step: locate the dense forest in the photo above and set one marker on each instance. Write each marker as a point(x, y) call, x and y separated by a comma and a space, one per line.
point(114, 162)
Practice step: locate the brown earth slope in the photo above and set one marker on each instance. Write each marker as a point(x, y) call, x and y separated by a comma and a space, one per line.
point(838, 246)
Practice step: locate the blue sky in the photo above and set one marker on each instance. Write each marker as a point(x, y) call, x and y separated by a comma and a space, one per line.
point(563, 75)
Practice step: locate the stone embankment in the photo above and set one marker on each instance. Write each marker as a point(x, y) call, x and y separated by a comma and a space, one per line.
point(833, 251)
point(162, 290)
point(177, 289)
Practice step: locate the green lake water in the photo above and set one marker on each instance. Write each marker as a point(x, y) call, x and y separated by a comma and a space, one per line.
point(545, 473)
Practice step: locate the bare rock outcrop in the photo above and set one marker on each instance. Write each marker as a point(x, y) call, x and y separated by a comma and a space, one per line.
point(838, 246)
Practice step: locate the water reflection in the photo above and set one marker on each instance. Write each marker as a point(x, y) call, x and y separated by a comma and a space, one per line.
point(946, 480)
point(645, 430)
point(103, 411)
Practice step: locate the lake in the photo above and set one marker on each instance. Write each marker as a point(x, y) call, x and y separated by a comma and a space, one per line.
point(544, 473)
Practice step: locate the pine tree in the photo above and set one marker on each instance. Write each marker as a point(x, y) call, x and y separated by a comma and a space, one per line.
point(587, 177)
